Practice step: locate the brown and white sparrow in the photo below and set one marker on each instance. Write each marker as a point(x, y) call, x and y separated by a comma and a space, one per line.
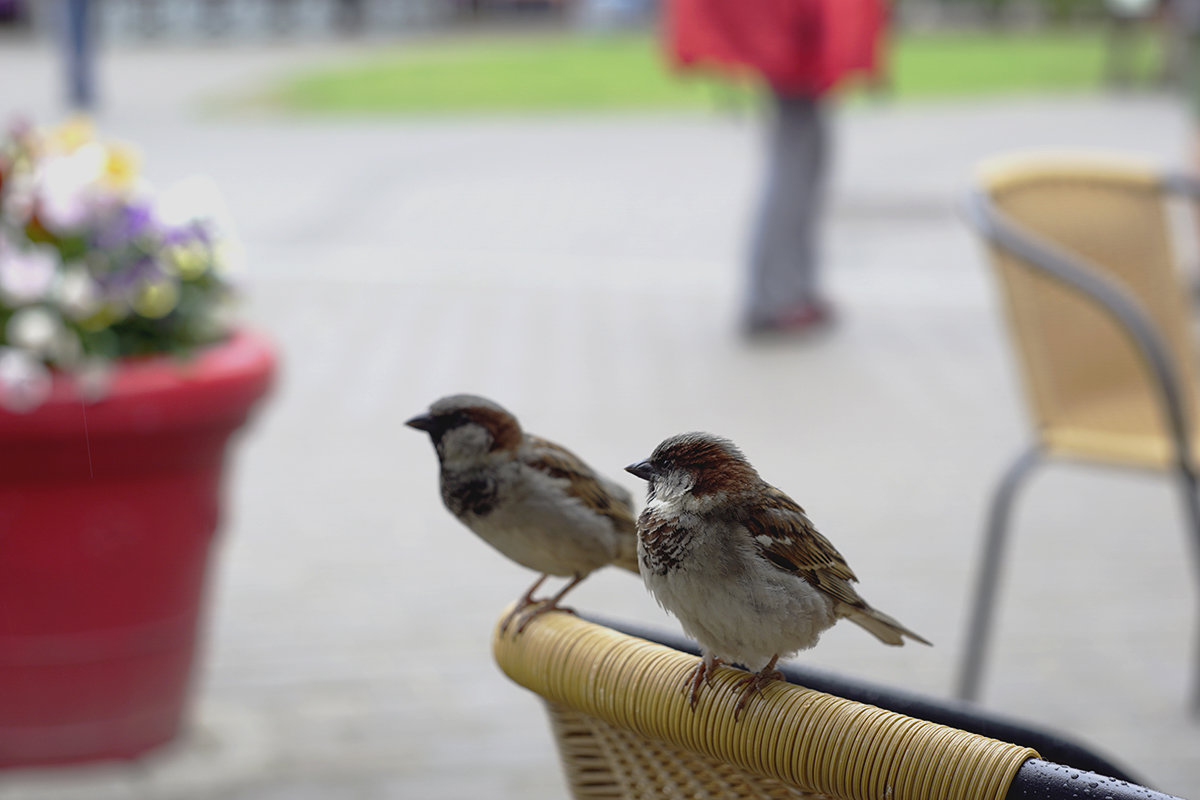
point(531, 499)
point(740, 563)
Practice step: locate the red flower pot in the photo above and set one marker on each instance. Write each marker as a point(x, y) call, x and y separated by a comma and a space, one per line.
point(106, 515)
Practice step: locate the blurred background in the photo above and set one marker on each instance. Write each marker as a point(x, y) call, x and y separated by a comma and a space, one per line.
point(523, 200)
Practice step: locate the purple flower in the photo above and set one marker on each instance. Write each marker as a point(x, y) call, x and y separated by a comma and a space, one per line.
point(126, 224)
point(88, 253)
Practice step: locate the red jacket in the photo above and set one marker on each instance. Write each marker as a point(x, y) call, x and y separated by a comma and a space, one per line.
point(797, 46)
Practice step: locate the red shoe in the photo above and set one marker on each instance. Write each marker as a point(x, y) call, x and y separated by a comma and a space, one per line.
point(805, 319)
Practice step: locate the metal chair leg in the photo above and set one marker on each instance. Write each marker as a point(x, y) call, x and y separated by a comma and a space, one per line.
point(989, 570)
point(1191, 501)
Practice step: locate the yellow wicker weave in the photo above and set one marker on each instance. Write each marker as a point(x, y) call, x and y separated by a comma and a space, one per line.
point(1086, 385)
point(625, 729)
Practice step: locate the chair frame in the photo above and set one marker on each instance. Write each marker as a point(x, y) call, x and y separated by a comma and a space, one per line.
point(1038, 253)
point(1052, 746)
point(624, 729)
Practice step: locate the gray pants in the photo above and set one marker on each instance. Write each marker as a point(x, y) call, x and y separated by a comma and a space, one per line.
point(783, 258)
point(78, 47)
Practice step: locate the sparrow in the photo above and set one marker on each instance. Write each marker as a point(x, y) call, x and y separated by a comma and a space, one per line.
point(531, 499)
point(740, 563)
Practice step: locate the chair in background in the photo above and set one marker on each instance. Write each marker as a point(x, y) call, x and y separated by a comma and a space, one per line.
point(1098, 315)
point(624, 729)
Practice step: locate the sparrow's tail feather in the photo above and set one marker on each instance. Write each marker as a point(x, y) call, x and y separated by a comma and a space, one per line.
point(885, 628)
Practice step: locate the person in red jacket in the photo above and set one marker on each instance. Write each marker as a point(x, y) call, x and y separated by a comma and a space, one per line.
point(800, 50)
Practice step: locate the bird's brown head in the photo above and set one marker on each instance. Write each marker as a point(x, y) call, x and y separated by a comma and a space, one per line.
point(700, 464)
point(465, 426)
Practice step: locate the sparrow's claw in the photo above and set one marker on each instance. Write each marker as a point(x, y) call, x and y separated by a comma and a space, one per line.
point(701, 674)
point(517, 610)
point(754, 683)
point(691, 685)
point(543, 607)
point(525, 602)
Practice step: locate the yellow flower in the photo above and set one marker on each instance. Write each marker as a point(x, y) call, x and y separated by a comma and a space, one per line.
point(120, 166)
point(156, 300)
point(190, 259)
point(72, 134)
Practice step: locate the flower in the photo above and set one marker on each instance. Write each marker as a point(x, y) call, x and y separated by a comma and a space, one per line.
point(24, 381)
point(34, 329)
point(77, 294)
point(26, 273)
point(69, 190)
point(96, 266)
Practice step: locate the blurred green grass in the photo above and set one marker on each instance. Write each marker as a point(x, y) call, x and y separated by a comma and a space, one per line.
point(980, 64)
point(528, 73)
point(628, 72)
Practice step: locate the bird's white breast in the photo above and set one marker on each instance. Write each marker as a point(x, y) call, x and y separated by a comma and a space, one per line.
point(735, 604)
point(541, 527)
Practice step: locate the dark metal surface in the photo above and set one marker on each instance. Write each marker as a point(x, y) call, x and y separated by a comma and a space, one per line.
point(980, 621)
point(1081, 275)
point(1042, 780)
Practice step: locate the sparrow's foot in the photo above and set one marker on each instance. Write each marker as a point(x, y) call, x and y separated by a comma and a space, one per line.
point(754, 683)
point(517, 610)
point(521, 605)
point(700, 675)
point(543, 607)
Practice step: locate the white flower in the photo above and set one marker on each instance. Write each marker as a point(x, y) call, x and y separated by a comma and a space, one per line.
point(67, 187)
point(34, 329)
point(77, 295)
point(24, 382)
point(26, 274)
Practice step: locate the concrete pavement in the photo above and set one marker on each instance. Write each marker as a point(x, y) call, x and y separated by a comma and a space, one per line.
point(584, 271)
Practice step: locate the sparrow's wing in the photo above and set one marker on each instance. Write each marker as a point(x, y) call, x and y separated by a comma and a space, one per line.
point(786, 537)
point(597, 493)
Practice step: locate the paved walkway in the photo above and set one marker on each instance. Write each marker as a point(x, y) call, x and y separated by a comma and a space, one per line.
point(583, 271)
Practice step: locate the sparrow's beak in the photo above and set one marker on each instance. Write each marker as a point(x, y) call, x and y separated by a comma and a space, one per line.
point(642, 469)
point(422, 422)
